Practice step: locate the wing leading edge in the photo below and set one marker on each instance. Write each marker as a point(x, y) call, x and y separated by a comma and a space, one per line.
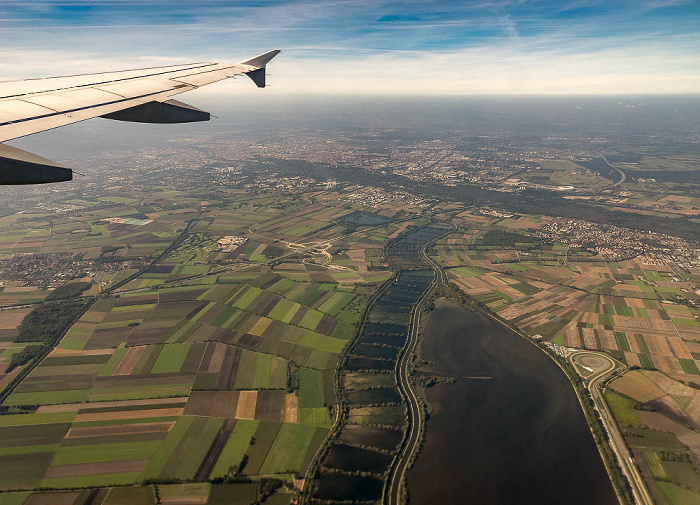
point(143, 95)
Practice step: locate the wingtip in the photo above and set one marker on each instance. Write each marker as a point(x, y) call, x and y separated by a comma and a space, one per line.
point(261, 60)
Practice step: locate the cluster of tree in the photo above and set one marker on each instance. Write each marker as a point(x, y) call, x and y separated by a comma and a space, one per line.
point(231, 479)
point(17, 409)
point(106, 249)
point(70, 290)
point(427, 382)
point(26, 355)
point(244, 460)
point(47, 321)
point(267, 486)
point(680, 457)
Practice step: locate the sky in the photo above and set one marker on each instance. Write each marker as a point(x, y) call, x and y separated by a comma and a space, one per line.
point(368, 47)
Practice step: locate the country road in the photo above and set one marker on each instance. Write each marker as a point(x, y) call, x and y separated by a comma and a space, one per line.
point(639, 489)
point(397, 473)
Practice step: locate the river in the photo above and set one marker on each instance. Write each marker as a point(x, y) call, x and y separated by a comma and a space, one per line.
point(517, 437)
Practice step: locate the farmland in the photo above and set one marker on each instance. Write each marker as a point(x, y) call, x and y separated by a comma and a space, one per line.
point(186, 362)
point(143, 378)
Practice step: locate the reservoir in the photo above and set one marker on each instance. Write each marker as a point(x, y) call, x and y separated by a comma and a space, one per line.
point(509, 430)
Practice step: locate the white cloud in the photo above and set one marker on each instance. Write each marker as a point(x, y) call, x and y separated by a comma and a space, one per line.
point(513, 68)
point(647, 67)
point(317, 58)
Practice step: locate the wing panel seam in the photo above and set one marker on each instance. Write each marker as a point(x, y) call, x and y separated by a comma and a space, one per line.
point(93, 84)
point(58, 113)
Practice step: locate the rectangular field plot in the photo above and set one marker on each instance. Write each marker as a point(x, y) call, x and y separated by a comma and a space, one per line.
point(311, 392)
point(288, 452)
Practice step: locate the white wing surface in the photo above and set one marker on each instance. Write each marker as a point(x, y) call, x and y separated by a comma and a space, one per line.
point(143, 95)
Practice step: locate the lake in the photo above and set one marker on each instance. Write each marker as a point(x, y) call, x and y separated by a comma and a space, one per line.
point(518, 436)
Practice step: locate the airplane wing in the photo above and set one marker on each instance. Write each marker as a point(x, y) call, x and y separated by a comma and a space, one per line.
point(143, 96)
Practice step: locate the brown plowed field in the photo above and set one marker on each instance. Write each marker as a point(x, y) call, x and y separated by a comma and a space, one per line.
point(270, 406)
point(128, 414)
point(247, 402)
point(291, 408)
point(229, 368)
point(213, 403)
point(249, 341)
point(221, 352)
point(326, 325)
point(128, 362)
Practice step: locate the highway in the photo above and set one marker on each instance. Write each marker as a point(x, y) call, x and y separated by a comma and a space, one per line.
point(640, 493)
point(623, 176)
point(401, 463)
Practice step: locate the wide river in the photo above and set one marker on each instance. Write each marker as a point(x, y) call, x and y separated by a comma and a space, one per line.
point(517, 437)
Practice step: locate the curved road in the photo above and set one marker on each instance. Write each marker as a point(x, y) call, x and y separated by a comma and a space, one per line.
point(640, 493)
point(623, 176)
point(401, 463)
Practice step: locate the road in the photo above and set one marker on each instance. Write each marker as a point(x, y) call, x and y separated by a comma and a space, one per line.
point(623, 176)
point(401, 463)
point(640, 493)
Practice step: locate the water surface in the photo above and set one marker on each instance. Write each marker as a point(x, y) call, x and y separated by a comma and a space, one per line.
point(517, 437)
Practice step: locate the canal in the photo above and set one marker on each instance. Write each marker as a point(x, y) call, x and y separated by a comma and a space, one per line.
point(358, 459)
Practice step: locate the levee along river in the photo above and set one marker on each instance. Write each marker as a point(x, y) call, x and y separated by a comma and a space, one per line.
point(510, 430)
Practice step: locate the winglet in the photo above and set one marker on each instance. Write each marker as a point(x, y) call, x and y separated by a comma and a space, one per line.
point(261, 61)
point(257, 73)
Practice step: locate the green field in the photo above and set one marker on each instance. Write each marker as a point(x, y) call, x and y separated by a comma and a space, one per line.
point(289, 449)
point(623, 409)
point(171, 358)
point(310, 388)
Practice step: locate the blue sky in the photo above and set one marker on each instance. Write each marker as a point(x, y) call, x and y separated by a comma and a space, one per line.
point(367, 47)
